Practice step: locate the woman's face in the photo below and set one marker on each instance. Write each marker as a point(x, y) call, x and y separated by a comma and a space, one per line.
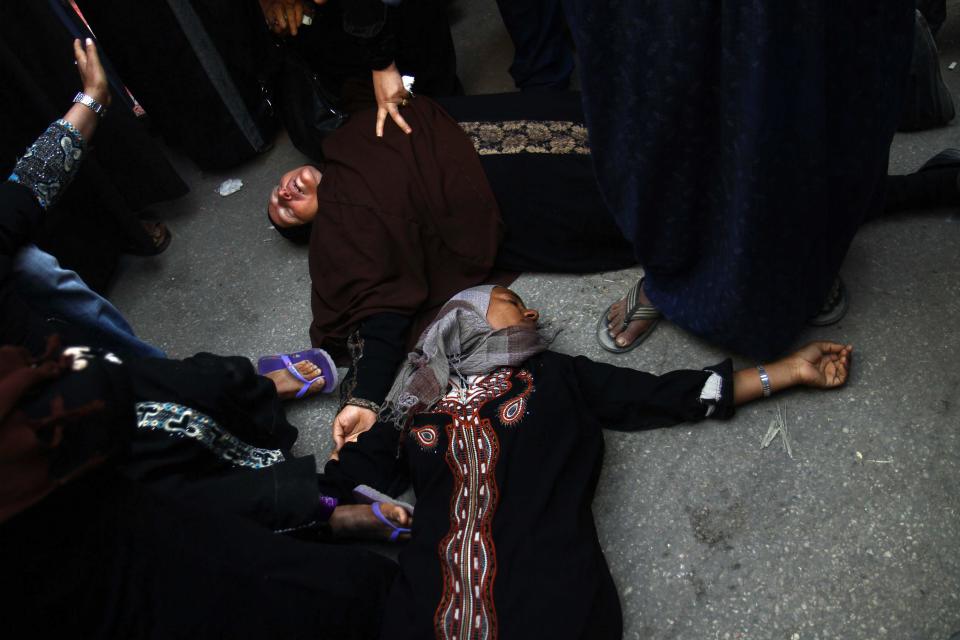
point(507, 310)
point(294, 200)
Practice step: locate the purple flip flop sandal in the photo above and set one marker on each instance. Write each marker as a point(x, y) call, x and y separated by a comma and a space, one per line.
point(397, 531)
point(365, 494)
point(319, 357)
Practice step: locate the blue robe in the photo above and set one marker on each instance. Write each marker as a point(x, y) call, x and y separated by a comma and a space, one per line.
point(739, 146)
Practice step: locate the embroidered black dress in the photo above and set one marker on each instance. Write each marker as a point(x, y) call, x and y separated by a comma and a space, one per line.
point(504, 543)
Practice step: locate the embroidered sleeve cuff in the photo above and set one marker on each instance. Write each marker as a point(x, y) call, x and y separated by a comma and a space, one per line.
point(50, 163)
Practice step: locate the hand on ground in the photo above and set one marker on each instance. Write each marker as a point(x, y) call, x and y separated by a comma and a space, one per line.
point(288, 386)
point(624, 337)
point(92, 76)
point(349, 424)
point(824, 365)
point(358, 521)
point(388, 88)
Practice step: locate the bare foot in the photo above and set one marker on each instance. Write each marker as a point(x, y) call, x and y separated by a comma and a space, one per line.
point(288, 386)
point(358, 521)
point(624, 337)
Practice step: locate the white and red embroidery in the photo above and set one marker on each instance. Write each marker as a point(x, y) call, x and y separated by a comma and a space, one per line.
point(467, 555)
point(426, 437)
point(512, 411)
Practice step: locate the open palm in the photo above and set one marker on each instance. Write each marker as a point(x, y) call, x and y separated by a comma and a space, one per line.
point(823, 364)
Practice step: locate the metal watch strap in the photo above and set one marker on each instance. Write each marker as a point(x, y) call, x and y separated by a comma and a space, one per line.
point(89, 102)
point(764, 381)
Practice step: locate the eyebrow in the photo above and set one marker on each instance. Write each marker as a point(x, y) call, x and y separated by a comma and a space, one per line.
point(515, 297)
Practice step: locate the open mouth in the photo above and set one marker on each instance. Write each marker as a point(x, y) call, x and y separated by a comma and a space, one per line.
point(294, 187)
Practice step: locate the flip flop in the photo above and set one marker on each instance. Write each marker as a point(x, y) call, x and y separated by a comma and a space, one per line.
point(364, 494)
point(636, 310)
point(397, 530)
point(319, 357)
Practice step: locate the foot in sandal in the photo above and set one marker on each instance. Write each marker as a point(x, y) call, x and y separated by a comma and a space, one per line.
point(628, 322)
point(300, 374)
point(377, 521)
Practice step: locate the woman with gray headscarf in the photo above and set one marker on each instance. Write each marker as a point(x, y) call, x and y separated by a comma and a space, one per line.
point(502, 440)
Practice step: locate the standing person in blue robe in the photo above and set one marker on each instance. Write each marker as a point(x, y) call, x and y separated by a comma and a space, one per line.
point(739, 146)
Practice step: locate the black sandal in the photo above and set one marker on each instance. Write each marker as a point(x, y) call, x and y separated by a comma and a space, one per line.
point(636, 310)
point(158, 239)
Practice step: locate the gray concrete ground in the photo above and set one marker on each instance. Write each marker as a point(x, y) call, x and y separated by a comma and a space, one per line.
point(707, 535)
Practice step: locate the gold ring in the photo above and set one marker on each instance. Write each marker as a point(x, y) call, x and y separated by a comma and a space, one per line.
point(403, 102)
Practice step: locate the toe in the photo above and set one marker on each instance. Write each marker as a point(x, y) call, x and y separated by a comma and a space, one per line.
point(308, 369)
point(632, 332)
point(396, 514)
point(615, 318)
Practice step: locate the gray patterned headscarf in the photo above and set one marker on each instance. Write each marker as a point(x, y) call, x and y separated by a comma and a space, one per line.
point(458, 342)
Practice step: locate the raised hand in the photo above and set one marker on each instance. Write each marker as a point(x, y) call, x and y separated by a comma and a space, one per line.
point(283, 16)
point(92, 76)
point(391, 95)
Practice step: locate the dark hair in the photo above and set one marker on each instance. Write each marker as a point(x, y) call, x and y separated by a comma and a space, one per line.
point(299, 234)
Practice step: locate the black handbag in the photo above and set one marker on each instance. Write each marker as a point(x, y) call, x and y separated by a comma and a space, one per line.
point(307, 109)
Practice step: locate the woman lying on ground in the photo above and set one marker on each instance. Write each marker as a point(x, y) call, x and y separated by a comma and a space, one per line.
point(399, 224)
point(502, 439)
point(143, 499)
point(406, 221)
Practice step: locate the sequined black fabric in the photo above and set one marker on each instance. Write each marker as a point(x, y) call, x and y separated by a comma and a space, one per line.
point(50, 163)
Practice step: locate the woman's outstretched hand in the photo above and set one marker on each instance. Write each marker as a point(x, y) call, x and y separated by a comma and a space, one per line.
point(824, 365)
point(391, 95)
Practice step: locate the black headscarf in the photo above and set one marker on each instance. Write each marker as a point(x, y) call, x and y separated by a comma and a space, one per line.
point(299, 234)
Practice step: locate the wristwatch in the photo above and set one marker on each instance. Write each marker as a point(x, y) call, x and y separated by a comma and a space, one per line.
point(87, 101)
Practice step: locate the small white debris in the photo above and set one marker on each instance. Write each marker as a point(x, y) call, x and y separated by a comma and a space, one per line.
point(231, 186)
point(858, 456)
point(952, 65)
point(778, 426)
point(770, 435)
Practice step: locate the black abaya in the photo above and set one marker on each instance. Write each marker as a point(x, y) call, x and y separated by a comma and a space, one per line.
point(504, 542)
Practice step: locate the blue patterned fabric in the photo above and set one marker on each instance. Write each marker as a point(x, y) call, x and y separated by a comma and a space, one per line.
point(184, 422)
point(50, 163)
point(740, 145)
